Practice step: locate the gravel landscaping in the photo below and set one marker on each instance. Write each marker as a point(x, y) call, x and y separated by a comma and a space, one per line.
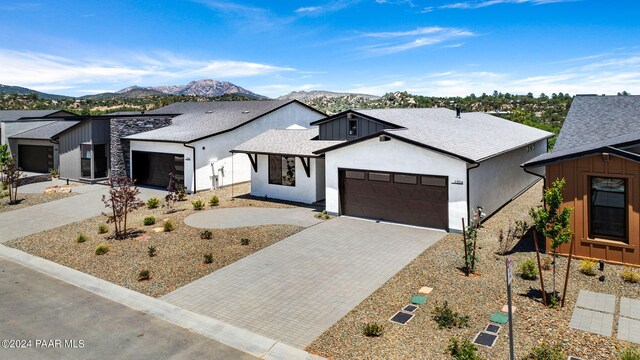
point(478, 297)
point(180, 254)
point(30, 200)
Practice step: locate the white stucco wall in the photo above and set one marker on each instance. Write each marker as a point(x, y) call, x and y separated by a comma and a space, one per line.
point(499, 179)
point(216, 148)
point(304, 191)
point(398, 156)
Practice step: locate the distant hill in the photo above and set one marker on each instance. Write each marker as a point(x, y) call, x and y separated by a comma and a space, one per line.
point(132, 92)
point(205, 87)
point(311, 95)
point(8, 89)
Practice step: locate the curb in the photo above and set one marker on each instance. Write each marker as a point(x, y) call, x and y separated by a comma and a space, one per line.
point(240, 339)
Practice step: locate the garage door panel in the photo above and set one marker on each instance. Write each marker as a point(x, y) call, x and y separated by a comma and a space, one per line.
point(153, 169)
point(35, 158)
point(401, 199)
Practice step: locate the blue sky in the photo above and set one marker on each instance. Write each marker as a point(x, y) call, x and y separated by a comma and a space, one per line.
point(428, 47)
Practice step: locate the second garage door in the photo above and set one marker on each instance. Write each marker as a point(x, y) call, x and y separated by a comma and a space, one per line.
point(152, 169)
point(35, 158)
point(412, 199)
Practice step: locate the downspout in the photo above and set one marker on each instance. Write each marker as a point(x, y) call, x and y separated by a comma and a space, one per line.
point(543, 177)
point(195, 188)
point(468, 192)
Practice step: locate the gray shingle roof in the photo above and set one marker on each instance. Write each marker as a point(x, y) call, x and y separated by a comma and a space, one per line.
point(475, 136)
point(595, 123)
point(14, 115)
point(45, 132)
point(286, 142)
point(595, 118)
point(203, 119)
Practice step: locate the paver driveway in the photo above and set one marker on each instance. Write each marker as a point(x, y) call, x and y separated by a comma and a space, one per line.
point(295, 289)
point(50, 215)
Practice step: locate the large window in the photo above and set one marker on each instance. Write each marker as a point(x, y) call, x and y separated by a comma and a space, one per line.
point(608, 213)
point(85, 160)
point(282, 170)
point(93, 161)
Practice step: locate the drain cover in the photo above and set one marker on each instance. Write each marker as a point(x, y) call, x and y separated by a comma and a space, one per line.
point(485, 339)
point(418, 300)
point(401, 318)
point(499, 318)
point(492, 328)
point(410, 308)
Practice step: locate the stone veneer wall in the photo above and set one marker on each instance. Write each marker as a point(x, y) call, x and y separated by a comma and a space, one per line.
point(120, 150)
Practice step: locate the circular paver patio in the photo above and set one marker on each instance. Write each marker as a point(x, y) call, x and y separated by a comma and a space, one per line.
point(247, 216)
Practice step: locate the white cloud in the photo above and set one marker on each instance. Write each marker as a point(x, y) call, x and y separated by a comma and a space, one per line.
point(45, 71)
point(331, 6)
point(406, 40)
point(485, 3)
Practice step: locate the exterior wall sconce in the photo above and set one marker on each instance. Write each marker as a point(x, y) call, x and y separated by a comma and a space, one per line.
point(384, 138)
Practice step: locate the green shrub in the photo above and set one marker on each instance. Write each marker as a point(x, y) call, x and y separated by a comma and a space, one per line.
point(208, 258)
point(545, 351)
point(447, 318)
point(198, 204)
point(151, 250)
point(153, 203)
point(323, 215)
point(528, 269)
point(206, 235)
point(214, 201)
point(81, 238)
point(462, 350)
point(102, 249)
point(54, 173)
point(547, 263)
point(372, 330)
point(4, 186)
point(588, 267)
point(103, 229)
point(144, 275)
point(630, 353)
point(168, 226)
point(149, 220)
point(244, 241)
point(181, 194)
point(630, 275)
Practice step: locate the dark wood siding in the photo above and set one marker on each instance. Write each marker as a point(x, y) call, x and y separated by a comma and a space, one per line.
point(337, 129)
point(404, 198)
point(577, 174)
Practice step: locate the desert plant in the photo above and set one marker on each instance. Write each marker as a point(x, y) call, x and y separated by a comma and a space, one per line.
point(54, 173)
point(447, 318)
point(144, 275)
point(372, 330)
point(546, 351)
point(547, 263)
point(102, 249)
point(244, 241)
point(81, 238)
point(103, 229)
point(588, 267)
point(469, 239)
point(182, 193)
point(198, 204)
point(149, 220)
point(206, 235)
point(323, 215)
point(172, 192)
point(153, 203)
point(514, 234)
point(553, 222)
point(122, 199)
point(214, 201)
point(11, 174)
point(167, 226)
point(462, 350)
point(208, 258)
point(151, 250)
point(630, 353)
point(528, 269)
point(630, 275)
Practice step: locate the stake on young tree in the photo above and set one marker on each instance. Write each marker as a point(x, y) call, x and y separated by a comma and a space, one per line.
point(466, 255)
point(535, 242)
point(566, 276)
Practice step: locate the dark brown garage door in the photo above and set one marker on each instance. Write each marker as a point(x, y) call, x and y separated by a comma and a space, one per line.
point(35, 158)
point(404, 198)
point(152, 169)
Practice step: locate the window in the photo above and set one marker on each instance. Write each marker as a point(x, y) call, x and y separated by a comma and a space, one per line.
point(608, 212)
point(100, 161)
point(434, 181)
point(359, 175)
point(85, 160)
point(374, 176)
point(405, 179)
point(353, 127)
point(282, 170)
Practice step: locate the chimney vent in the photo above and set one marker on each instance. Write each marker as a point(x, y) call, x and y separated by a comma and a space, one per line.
point(458, 110)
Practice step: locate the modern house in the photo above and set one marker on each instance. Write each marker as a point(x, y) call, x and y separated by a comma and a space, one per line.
point(195, 145)
point(598, 154)
point(28, 134)
point(424, 167)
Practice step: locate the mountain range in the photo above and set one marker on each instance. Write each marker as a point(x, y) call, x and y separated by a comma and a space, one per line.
point(8, 89)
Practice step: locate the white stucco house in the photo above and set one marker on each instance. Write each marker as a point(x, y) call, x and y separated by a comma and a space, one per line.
point(195, 146)
point(424, 167)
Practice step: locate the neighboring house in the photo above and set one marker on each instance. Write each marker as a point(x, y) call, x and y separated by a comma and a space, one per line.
point(425, 167)
point(26, 132)
point(195, 147)
point(598, 154)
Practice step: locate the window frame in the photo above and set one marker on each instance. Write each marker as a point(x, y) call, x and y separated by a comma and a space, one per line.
point(593, 235)
point(349, 127)
point(271, 177)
